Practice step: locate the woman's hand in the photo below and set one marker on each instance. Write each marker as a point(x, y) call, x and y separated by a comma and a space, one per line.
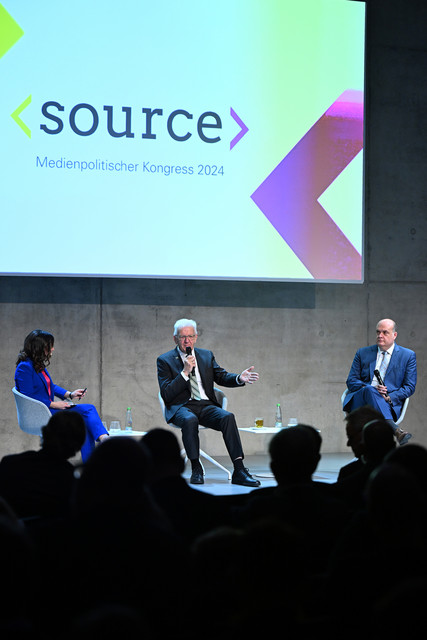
point(60, 404)
point(78, 393)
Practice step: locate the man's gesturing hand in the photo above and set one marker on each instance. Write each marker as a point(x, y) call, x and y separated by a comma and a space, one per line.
point(249, 376)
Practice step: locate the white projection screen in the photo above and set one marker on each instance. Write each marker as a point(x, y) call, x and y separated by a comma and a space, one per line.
point(193, 139)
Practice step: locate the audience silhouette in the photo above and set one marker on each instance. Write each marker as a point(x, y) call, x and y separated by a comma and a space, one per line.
point(376, 442)
point(130, 548)
point(18, 570)
point(299, 502)
point(412, 457)
point(40, 483)
point(116, 547)
point(381, 551)
point(190, 511)
point(355, 421)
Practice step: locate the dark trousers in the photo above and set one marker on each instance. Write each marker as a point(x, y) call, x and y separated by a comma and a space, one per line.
point(207, 414)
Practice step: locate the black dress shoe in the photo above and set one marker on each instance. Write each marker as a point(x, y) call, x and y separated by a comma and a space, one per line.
point(197, 477)
point(243, 477)
point(402, 436)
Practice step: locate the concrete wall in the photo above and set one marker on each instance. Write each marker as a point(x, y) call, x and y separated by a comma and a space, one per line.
point(300, 337)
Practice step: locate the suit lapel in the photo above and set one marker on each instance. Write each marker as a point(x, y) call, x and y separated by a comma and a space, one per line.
point(394, 360)
point(206, 372)
point(373, 361)
point(201, 366)
point(177, 360)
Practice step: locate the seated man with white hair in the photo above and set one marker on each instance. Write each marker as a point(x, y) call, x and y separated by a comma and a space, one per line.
point(186, 378)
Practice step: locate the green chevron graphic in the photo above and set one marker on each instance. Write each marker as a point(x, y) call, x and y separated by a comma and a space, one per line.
point(15, 115)
point(10, 31)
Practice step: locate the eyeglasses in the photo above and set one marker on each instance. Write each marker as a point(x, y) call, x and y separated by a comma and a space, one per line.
point(187, 337)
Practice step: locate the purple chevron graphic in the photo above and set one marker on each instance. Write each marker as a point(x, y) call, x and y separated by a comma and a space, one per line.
point(243, 128)
point(288, 197)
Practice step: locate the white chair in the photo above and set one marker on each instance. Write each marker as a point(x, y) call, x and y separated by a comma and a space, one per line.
point(32, 414)
point(402, 413)
point(222, 399)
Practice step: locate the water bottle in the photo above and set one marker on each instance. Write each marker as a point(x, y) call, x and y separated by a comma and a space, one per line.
point(278, 421)
point(128, 422)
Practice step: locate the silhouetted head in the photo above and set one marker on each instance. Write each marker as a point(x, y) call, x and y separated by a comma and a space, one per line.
point(64, 434)
point(378, 440)
point(115, 475)
point(295, 453)
point(413, 458)
point(396, 504)
point(355, 421)
point(165, 452)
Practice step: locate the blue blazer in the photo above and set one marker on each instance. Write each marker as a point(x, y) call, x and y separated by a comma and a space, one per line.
point(175, 390)
point(33, 384)
point(400, 378)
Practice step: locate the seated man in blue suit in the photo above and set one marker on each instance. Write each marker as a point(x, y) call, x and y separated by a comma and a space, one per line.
point(383, 376)
point(186, 379)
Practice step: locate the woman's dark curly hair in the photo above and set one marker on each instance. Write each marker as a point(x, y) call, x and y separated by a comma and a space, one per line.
point(37, 346)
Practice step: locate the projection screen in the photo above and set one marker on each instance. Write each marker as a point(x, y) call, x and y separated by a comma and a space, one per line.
point(192, 139)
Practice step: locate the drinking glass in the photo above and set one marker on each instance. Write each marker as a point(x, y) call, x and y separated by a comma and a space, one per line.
point(115, 426)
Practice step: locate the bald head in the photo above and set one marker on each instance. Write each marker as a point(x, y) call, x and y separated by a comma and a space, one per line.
point(386, 333)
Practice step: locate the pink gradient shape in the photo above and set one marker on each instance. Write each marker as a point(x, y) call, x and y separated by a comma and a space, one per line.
point(288, 197)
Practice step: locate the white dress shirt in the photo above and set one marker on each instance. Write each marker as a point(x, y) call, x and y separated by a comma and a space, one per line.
point(203, 395)
point(378, 363)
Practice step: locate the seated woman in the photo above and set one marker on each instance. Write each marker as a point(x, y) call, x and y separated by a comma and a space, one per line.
point(32, 379)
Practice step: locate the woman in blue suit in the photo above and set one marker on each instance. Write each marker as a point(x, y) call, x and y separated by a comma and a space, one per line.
point(33, 380)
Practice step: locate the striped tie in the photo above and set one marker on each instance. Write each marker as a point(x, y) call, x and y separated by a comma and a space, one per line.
point(383, 367)
point(195, 391)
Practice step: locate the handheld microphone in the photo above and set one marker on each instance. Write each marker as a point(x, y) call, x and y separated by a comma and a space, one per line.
point(188, 352)
point(378, 377)
point(380, 381)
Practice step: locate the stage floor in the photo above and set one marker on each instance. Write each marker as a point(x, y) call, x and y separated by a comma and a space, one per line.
point(217, 483)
